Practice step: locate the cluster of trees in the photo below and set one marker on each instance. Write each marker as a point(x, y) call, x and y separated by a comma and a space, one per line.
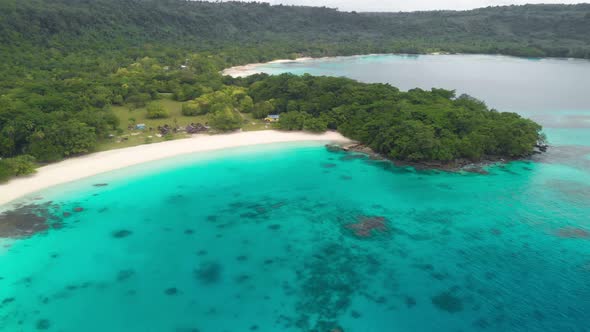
point(230, 97)
point(223, 107)
point(532, 30)
point(156, 111)
point(416, 125)
point(17, 166)
point(63, 64)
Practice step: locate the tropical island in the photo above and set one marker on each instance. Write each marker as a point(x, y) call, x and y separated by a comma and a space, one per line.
point(79, 77)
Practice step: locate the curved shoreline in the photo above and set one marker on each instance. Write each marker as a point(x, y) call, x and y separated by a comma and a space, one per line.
point(252, 68)
point(86, 166)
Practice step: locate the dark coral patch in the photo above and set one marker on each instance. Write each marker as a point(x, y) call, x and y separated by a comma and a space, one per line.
point(368, 226)
point(495, 231)
point(189, 231)
point(25, 221)
point(242, 278)
point(121, 233)
point(410, 301)
point(8, 300)
point(448, 302)
point(57, 225)
point(278, 205)
point(208, 273)
point(573, 233)
point(171, 291)
point(125, 274)
point(78, 209)
point(353, 156)
point(328, 165)
point(100, 184)
point(274, 227)
point(43, 324)
point(439, 276)
point(481, 323)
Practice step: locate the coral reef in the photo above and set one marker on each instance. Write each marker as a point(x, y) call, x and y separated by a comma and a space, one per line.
point(25, 221)
point(368, 226)
point(573, 233)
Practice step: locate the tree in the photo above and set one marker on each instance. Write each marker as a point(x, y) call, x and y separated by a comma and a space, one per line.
point(226, 120)
point(156, 111)
point(246, 105)
point(262, 109)
point(139, 100)
point(317, 125)
point(17, 166)
point(192, 108)
point(293, 120)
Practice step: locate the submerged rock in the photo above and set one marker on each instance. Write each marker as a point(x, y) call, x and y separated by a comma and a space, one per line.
point(334, 148)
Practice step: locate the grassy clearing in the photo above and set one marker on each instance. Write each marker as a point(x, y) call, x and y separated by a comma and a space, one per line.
point(129, 117)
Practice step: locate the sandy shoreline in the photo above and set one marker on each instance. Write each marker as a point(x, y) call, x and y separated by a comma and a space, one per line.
point(252, 68)
point(93, 164)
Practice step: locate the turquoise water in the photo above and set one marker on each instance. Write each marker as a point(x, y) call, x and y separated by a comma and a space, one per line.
point(261, 240)
point(294, 237)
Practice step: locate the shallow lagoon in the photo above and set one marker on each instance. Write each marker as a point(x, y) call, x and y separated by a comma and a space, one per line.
point(298, 238)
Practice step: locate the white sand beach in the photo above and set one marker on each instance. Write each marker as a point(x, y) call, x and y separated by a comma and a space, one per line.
point(85, 166)
point(252, 68)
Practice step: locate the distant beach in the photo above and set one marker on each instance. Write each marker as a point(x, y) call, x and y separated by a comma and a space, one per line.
point(252, 68)
point(85, 166)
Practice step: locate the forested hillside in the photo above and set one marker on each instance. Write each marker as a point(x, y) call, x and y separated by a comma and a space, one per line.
point(536, 30)
point(76, 73)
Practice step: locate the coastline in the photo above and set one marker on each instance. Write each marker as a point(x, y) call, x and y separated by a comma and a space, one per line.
point(252, 68)
point(78, 168)
point(457, 165)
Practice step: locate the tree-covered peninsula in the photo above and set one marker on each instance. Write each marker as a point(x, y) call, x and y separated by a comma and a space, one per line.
point(78, 76)
point(412, 126)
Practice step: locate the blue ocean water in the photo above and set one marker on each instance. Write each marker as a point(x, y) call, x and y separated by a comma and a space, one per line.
point(295, 237)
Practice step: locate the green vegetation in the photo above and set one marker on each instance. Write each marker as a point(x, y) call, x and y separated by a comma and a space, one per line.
point(415, 126)
point(226, 120)
point(73, 74)
point(156, 111)
point(17, 166)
